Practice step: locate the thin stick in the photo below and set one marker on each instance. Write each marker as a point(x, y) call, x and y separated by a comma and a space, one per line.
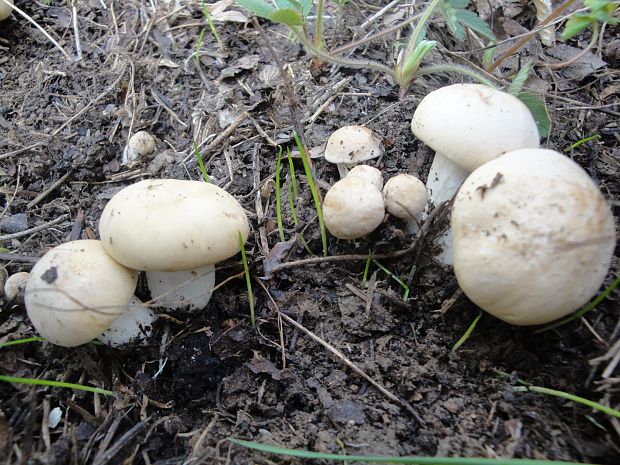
point(76, 31)
point(43, 31)
point(50, 189)
point(8, 237)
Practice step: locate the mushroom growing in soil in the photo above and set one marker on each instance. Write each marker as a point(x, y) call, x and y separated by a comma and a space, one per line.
point(5, 9)
point(168, 226)
point(405, 197)
point(468, 125)
point(134, 325)
point(367, 173)
point(533, 236)
point(352, 208)
point(75, 292)
point(140, 144)
point(350, 146)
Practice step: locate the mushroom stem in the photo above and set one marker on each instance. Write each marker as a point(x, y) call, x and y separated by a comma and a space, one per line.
point(444, 180)
point(344, 168)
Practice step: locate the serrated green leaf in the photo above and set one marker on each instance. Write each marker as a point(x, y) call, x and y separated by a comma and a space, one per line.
point(475, 23)
point(258, 7)
point(516, 86)
point(538, 108)
point(287, 16)
point(575, 25)
point(457, 4)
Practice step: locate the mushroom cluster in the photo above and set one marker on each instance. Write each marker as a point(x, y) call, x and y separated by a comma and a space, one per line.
point(174, 230)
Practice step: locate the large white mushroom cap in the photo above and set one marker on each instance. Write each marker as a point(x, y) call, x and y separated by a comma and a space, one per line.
point(353, 208)
point(75, 291)
point(471, 124)
point(172, 225)
point(533, 236)
point(5, 10)
point(351, 145)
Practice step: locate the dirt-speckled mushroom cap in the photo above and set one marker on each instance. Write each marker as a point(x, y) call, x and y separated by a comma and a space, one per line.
point(352, 145)
point(75, 291)
point(405, 196)
point(5, 10)
point(533, 236)
point(368, 173)
point(352, 208)
point(471, 124)
point(172, 225)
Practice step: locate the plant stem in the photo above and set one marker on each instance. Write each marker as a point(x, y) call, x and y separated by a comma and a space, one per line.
point(318, 37)
point(278, 202)
point(359, 64)
point(435, 69)
point(417, 32)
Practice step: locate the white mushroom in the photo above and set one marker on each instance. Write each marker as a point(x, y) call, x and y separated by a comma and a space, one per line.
point(405, 197)
point(351, 145)
point(533, 236)
point(369, 174)
point(353, 208)
point(5, 9)
point(170, 225)
point(133, 325)
point(468, 125)
point(14, 286)
point(75, 292)
point(140, 144)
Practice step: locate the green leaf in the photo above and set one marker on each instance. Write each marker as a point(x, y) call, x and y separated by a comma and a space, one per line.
point(258, 7)
point(537, 107)
point(287, 16)
point(575, 25)
point(516, 86)
point(412, 62)
point(475, 23)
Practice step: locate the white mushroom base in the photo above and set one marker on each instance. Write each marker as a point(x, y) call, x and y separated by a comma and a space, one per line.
point(182, 289)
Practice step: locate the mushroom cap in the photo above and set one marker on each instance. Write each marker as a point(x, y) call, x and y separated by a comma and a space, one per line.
point(405, 196)
point(368, 173)
point(352, 144)
point(471, 124)
point(14, 286)
point(140, 144)
point(172, 225)
point(5, 10)
point(533, 236)
point(75, 292)
point(352, 208)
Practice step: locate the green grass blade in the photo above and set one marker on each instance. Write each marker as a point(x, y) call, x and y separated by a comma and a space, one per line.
point(201, 37)
point(218, 39)
point(246, 270)
point(565, 395)
point(399, 460)
point(278, 203)
point(313, 190)
point(467, 333)
point(579, 313)
point(366, 269)
point(59, 384)
point(201, 165)
point(400, 282)
point(20, 341)
point(582, 141)
point(291, 168)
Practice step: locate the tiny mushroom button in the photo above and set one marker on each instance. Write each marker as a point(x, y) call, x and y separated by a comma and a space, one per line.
point(351, 145)
point(533, 236)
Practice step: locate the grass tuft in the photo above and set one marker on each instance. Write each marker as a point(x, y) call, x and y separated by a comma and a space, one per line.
point(246, 271)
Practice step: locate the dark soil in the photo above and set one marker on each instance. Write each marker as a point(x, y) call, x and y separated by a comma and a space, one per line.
point(208, 376)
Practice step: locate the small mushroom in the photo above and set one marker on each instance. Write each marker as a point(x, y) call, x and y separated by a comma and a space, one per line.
point(14, 287)
point(75, 292)
point(351, 145)
point(468, 125)
point(367, 173)
point(140, 144)
point(533, 236)
point(353, 208)
point(166, 226)
point(405, 197)
point(5, 9)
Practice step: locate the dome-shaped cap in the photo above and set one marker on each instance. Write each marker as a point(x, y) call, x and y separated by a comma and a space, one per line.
point(471, 124)
point(533, 237)
point(352, 144)
point(172, 225)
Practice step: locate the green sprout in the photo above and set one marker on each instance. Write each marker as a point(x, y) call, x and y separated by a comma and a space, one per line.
point(201, 164)
point(58, 384)
point(465, 336)
point(278, 206)
point(246, 271)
